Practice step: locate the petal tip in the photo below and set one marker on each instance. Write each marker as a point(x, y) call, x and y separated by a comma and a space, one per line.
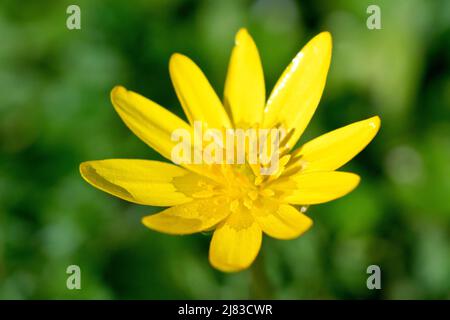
point(145, 222)
point(175, 55)
point(241, 35)
point(118, 92)
point(177, 62)
point(326, 34)
point(353, 182)
point(226, 267)
point(375, 122)
point(324, 38)
point(177, 58)
point(150, 223)
point(356, 180)
point(309, 223)
point(83, 167)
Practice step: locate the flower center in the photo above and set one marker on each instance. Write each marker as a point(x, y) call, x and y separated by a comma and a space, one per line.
point(241, 185)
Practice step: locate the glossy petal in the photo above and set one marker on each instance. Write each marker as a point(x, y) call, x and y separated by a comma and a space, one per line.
point(297, 93)
point(149, 121)
point(334, 149)
point(197, 97)
point(142, 181)
point(244, 88)
point(235, 243)
point(196, 216)
point(316, 187)
point(282, 221)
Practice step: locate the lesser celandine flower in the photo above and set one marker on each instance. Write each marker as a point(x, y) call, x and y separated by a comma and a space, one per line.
point(235, 200)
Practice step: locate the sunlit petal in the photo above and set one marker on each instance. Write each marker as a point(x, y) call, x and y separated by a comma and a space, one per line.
point(316, 187)
point(145, 182)
point(297, 93)
point(244, 87)
point(195, 216)
point(334, 149)
point(281, 221)
point(197, 97)
point(235, 243)
point(149, 121)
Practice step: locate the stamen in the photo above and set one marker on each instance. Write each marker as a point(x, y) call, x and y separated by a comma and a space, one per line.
point(253, 195)
point(234, 205)
point(258, 180)
point(267, 192)
point(284, 142)
point(248, 203)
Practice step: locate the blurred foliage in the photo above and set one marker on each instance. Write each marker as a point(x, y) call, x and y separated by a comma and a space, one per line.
point(55, 113)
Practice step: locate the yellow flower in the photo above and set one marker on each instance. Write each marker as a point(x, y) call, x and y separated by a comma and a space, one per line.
point(235, 200)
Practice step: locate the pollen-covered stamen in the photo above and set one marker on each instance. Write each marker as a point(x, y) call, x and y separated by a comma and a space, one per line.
point(259, 180)
point(293, 169)
point(255, 196)
point(266, 192)
point(248, 203)
point(281, 166)
point(246, 184)
point(295, 164)
point(278, 154)
point(239, 184)
point(284, 142)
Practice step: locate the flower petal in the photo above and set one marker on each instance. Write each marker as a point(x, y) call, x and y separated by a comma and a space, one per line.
point(334, 149)
point(282, 221)
point(244, 87)
point(235, 243)
point(144, 182)
point(316, 187)
point(297, 93)
point(149, 121)
point(197, 97)
point(196, 216)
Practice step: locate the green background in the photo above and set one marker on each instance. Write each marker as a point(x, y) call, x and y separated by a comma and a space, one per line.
point(55, 113)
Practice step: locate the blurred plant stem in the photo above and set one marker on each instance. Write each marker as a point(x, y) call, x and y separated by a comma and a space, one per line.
point(260, 287)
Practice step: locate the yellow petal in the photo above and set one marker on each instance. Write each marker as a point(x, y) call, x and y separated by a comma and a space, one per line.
point(149, 121)
point(297, 93)
point(334, 149)
point(244, 86)
point(235, 243)
point(197, 97)
point(316, 187)
point(282, 221)
point(196, 216)
point(142, 181)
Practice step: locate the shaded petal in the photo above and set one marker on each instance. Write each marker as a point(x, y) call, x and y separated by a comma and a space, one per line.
point(196, 216)
point(334, 149)
point(197, 97)
point(297, 93)
point(316, 187)
point(149, 121)
point(235, 243)
point(282, 221)
point(244, 87)
point(144, 182)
